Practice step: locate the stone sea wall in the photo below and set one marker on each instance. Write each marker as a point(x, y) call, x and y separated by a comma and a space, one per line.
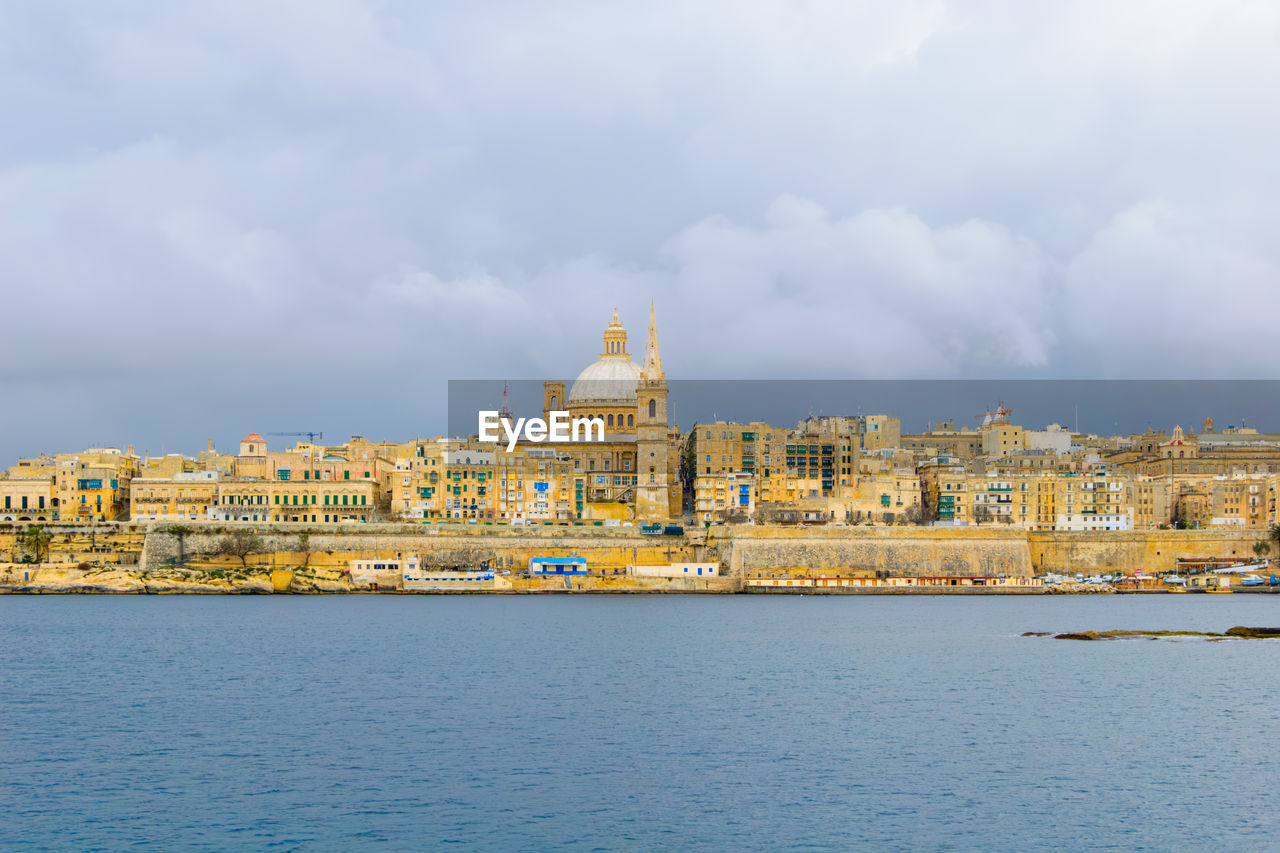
point(438, 546)
point(744, 551)
point(1137, 550)
point(954, 552)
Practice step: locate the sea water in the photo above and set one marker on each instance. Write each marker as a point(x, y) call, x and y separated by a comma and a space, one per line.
point(634, 722)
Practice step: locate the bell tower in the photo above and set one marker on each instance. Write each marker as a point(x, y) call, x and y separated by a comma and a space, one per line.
point(552, 398)
point(653, 487)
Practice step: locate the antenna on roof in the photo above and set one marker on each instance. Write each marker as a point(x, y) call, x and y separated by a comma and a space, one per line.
point(505, 412)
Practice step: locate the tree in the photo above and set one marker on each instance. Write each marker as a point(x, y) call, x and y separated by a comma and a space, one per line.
point(915, 514)
point(981, 514)
point(241, 543)
point(1273, 533)
point(37, 539)
point(304, 547)
point(1262, 549)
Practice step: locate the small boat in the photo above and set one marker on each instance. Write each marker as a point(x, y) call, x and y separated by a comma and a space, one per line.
point(1224, 585)
point(1252, 580)
point(1176, 580)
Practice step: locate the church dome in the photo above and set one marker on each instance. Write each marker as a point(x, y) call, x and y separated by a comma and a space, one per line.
point(612, 378)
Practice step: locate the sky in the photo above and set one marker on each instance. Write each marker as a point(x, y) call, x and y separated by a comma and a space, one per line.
point(308, 215)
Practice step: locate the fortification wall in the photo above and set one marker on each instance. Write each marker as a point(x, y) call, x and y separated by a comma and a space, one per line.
point(1136, 550)
point(763, 551)
point(437, 546)
point(745, 551)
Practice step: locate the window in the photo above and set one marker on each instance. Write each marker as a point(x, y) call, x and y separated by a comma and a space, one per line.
point(631, 420)
point(346, 475)
point(653, 408)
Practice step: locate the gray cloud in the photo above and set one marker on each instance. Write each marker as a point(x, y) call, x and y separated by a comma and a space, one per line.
point(289, 215)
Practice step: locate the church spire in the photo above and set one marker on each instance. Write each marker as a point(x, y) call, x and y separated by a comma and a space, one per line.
point(652, 360)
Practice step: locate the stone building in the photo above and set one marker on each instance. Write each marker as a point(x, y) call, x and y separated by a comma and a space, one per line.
point(633, 473)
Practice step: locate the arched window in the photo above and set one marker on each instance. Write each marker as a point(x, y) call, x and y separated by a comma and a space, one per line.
point(610, 421)
point(653, 408)
point(631, 420)
point(554, 401)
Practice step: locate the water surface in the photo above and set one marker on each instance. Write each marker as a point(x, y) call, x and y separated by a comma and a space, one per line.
point(633, 722)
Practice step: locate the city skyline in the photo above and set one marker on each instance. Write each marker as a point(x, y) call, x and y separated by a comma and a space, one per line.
point(325, 223)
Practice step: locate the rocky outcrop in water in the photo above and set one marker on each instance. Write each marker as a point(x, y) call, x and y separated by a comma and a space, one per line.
point(1253, 633)
point(1239, 632)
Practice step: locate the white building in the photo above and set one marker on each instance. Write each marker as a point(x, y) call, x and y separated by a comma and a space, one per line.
point(1091, 521)
point(383, 573)
point(676, 570)
point(1053, 438)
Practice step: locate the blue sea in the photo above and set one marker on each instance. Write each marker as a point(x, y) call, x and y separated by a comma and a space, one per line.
point(634, 723)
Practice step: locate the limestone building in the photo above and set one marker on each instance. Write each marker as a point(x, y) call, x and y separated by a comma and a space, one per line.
point(633, 473)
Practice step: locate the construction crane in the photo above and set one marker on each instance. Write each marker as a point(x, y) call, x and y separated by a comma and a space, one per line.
point(311, 436)
point(998, 415)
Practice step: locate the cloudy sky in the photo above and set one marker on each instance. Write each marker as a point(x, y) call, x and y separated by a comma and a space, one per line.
point(289, 215)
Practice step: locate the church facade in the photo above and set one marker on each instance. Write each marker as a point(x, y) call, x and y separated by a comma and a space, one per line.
point(633, 474)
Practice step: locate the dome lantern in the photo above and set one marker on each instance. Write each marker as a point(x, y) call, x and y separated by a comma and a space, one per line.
point(614, 376)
